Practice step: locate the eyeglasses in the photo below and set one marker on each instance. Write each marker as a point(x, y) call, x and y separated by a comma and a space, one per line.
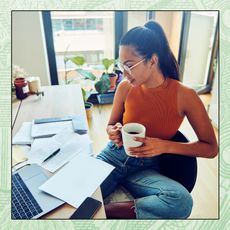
point(124, 67)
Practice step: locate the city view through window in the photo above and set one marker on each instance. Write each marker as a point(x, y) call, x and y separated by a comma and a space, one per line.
point(89, 34)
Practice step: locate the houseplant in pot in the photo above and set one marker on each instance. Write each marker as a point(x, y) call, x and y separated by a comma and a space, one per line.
point(107, 63)
point(88, 105)
point(106, 82)
point(79, 61)
point(102, 85)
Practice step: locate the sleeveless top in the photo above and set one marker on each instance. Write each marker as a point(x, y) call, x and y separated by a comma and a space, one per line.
point(155, 108)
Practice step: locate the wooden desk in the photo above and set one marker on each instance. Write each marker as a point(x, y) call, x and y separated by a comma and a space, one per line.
point(57, 101)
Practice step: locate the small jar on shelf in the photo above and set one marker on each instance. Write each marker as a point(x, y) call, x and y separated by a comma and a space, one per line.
point(21, 87)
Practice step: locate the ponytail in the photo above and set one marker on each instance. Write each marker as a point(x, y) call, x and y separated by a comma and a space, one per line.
point(150, 39)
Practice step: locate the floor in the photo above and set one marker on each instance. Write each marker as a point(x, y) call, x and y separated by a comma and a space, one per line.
point(205, 193)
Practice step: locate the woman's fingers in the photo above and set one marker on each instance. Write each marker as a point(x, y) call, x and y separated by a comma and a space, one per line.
point(118, 125)
point(115, 134)
point(116, 140)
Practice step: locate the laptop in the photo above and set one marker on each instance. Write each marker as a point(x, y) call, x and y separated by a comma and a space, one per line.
point(28, 201)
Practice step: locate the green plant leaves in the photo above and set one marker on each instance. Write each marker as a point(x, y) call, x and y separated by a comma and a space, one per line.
point(78, 60)
point(66, 59)
point(86, 74)
point(103, 84)
point(107, 63)
point(83, 94)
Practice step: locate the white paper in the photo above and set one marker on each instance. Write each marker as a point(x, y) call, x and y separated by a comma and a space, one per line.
point(43, 148)
point(78, 144)
point(77, 180)
point(49, 129)
point(23, 136)
point(69, 143)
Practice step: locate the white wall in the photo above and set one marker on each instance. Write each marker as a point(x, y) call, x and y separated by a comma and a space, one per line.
point(171, 24)
point(174, 39)
point(136, 18)
point(28, 47)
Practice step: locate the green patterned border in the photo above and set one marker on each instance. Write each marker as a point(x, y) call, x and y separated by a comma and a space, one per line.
point(5, 108)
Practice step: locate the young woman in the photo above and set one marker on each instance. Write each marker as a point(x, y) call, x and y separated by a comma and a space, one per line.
point(153, 96)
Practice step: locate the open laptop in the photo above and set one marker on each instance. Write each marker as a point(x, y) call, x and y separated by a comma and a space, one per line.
point(28, 202)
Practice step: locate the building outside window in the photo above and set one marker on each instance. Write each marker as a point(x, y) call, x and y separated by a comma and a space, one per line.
point(82, 33)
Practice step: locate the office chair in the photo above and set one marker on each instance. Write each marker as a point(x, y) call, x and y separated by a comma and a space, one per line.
point(182, 169)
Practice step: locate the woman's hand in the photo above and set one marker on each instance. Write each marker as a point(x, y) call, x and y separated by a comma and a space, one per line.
point(114, 132)
point(151, 147)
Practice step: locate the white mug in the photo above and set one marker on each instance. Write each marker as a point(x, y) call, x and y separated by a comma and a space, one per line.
point(129, 131)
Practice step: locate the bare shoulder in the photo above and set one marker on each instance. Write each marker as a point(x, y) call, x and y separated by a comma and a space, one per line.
point(124, 85)
point(187, 98)
point(185, 91)
point(123, 88)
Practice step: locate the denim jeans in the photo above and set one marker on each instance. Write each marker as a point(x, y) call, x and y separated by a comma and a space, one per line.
point(155, 195)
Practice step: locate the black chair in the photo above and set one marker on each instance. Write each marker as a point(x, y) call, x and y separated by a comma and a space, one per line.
point(182, 169)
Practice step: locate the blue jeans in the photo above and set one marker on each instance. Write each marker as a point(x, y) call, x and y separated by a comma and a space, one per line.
point(156, 196)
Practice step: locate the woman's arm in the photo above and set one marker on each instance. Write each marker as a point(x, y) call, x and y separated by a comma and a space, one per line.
point(194, 110)
point(191, 106)
point(118, 104)
point(115, 121)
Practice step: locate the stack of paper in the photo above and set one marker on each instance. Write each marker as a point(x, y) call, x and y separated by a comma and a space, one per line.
point(53, 141)
point(49, 129)
point(23, 136)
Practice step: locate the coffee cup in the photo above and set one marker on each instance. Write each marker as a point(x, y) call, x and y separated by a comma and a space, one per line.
point(129, 131)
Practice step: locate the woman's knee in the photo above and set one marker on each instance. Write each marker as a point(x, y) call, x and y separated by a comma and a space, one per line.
point(184, 204)
point(179, 202)
point(168, 204)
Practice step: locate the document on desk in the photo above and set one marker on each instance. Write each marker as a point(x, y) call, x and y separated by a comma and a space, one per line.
point(49, 129)
point(78, 179)
point(65, 145)
point(43, 150)
point(78, 144)
point(23, 136)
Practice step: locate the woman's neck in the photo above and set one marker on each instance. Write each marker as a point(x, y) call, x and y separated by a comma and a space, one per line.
point(154, 81)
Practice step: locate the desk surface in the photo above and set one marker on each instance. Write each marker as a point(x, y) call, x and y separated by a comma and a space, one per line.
point(57, 101)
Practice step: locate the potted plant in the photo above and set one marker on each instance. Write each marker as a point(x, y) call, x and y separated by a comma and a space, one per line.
point(102, 86)
point(80, 61)
point(106, 82)
point(112, 75)
point(88, 105)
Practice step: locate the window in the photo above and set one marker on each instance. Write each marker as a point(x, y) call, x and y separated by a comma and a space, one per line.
point(201, 50)
point(82, 33)
point(57, 25)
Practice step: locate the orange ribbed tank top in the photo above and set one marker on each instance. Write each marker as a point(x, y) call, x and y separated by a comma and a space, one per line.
point(155, 108)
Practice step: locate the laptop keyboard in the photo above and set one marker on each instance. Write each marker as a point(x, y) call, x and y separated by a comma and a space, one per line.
point(24, 206)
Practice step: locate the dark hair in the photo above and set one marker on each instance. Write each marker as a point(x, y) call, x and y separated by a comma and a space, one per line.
point(150, 39)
